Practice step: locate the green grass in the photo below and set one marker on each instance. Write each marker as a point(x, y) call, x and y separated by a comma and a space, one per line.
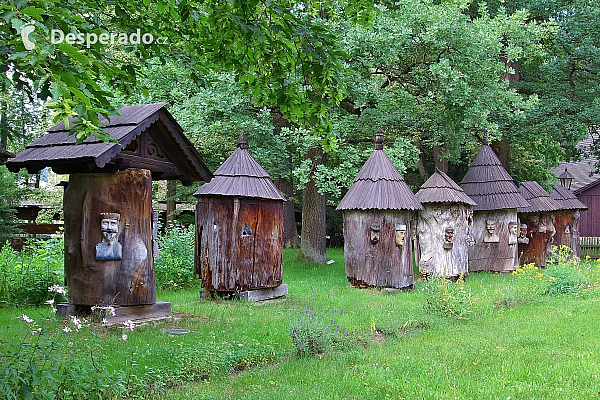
point(533, 346)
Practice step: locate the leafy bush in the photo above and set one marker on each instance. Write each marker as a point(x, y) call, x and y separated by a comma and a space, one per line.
point(25, 276)
point(313, 332)
point(448, 299)
point(42, 369)
point(563, 279)
point(175, 263)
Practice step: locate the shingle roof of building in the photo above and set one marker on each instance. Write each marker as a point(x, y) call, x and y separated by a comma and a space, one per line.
point(440, 188)
point(58, 148)
point(583, 172)
point(5, 155)
point(379, 185)
point(566, 199)
point(539, 200)
point(241, 176)
point(490, 185)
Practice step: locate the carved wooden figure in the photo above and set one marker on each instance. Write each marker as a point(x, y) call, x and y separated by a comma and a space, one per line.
point(495, 215)
point(539, 219)
point(379, 214)
point(239, 228)
point(444, 227)
point(566, 220)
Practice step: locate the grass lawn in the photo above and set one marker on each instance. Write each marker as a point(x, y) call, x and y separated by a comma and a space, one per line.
point(516, 344)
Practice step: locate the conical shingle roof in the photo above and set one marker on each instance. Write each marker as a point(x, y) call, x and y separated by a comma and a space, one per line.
point(490, 185)
point(539, 200)
point(566, 199)
point(241, 176)
point(440, 188)
point(379, 185)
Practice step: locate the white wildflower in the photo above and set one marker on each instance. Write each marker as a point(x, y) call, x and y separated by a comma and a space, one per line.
point(124, 336)
point(26, 319)
point(67, 329)
point(58, 289)
point(129, 324)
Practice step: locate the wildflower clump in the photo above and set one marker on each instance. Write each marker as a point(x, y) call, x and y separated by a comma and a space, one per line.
point(313, 330)
point(447, 298)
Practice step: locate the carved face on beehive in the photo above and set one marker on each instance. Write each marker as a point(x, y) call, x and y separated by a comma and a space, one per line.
point(375, 233)
point(400, 234)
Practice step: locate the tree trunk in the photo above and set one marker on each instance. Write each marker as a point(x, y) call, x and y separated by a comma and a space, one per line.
point(291, 240)
point(313, 242)
point(421, 162)
point(502, 150)
point(286, 186)
point(171, 205)
point(440, 163)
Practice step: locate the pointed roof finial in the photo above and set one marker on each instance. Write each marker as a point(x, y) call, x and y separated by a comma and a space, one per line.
point(379, 140)
point(242, 143)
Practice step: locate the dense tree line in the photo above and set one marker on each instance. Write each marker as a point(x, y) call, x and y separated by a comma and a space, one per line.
point(310, 86)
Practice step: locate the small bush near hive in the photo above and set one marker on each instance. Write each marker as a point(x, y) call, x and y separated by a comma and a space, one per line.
point(174, 265)
point(448, 299)
point(313, 331)
point(563, 279)
point(26, 275)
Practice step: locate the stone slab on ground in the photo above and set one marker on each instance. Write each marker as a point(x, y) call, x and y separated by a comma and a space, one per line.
point(136, 314)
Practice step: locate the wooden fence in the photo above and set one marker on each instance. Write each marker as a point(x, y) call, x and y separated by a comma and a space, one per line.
point(590, 246)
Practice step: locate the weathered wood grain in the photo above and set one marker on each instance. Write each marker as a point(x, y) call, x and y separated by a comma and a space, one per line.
point(239, 243)
point(567, 231)
point(498, 257)
point(540, 240)
point(433, 257)
point(129, 281)
point(384, 264)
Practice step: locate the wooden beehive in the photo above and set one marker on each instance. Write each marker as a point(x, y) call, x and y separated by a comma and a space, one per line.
point(538, 218)
point(114, 180)
point(497, 197)
point(444, 228)
point(379, 213)
point(239, 227)
point(566, 220)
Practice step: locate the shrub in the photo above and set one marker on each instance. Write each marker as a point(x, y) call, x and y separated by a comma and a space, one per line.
point(563, 279)
point(448, 299)
point(25, 276)
point(313, 332)
point(175, 263)
point(42, 369)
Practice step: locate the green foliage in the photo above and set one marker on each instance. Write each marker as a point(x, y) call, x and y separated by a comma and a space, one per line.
point(279, 52)
point(42, 369)
point(26, 276)
point(313, 331)
point(446, 298)
point(563, 279)
point(11, 194)
point(175, 263)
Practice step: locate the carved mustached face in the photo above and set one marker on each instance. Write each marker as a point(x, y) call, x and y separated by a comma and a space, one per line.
point(110, 228)
point(375, 228)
